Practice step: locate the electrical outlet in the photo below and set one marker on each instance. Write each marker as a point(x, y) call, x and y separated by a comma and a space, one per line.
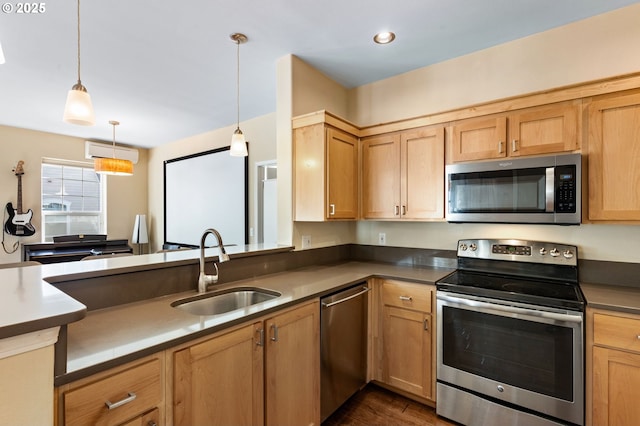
point(382, 239)
point(306, 242)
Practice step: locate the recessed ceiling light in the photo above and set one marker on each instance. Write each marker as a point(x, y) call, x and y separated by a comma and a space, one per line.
point(384, 37)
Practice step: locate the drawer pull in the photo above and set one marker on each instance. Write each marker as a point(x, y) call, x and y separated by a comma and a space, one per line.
point(114, 405)
point(406, 298)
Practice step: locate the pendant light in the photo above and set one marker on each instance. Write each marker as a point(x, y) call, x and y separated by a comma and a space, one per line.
point(113, 166)
point(238, 143)
point(78, 109)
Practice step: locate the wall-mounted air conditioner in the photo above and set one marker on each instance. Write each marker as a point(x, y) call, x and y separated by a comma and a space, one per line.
point(103, 150)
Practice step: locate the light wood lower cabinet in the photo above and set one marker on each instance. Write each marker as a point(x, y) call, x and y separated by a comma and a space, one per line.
point(267, 372)
point(615, 369)
point(292, 367)
point(127, 395)
point(407, 360)
point(220, 381)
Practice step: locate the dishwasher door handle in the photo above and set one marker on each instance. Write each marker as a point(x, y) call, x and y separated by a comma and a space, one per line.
point(353, 296)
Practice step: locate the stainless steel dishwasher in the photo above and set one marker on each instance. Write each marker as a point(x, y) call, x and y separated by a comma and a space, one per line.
point(343, 346)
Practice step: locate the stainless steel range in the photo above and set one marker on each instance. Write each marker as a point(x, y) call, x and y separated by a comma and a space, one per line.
point(510, 335)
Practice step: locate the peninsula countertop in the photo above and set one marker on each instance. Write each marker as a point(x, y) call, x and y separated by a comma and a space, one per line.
point(29, 302)
point(110, 336)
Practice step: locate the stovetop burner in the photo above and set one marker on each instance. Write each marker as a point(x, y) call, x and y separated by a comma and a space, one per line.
point(537, 292)
point(535, 273)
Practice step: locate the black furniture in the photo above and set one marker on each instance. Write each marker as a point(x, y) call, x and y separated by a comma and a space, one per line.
point(73, 247)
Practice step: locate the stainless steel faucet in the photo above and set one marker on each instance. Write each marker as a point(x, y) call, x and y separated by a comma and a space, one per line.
point(203, 279)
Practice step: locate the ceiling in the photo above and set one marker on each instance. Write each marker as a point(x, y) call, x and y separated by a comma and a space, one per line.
point(167, 69)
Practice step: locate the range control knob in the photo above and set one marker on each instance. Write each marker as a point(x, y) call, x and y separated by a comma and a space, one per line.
point(473, 247)
point(554, 252)
point(568, 254)
point(463, 247)
point(543, 251)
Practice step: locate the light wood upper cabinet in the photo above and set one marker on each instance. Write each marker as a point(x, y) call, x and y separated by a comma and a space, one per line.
point(614, 157)
point(544, 130)
point(535, 131)
point(479, 139)
point(403, 175)
point(408, 337)
point(616, 369)
point(325, 173)
point(381, 177)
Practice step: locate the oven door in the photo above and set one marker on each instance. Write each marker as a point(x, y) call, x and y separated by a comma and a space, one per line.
point(525, 355)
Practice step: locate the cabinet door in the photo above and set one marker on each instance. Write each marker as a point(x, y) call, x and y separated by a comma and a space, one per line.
point(292, 369)
point(407, 350)
point(614, 158)
point(309, 172)
point(544, 131)
point(616, 387)
point(381, 177)
point(342, 175)
point(220, 381)
point(422, 179)
point(479, 139)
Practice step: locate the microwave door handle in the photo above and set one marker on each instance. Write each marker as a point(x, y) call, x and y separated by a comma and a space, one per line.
point(550, 190)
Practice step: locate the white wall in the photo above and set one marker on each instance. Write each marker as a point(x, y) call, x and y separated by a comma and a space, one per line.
point(599, 47)
point(261, 136)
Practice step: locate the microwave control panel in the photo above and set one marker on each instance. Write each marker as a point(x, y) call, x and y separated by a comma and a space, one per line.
point(566, 199)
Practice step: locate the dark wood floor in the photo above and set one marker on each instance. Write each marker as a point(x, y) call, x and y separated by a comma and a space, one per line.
point(374, 405)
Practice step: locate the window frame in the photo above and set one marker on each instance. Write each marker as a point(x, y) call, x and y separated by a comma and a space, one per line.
point(101, 215)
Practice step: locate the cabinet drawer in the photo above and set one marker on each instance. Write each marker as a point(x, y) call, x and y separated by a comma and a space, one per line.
point(617, 332)
point(88, 404)
point(404, 295)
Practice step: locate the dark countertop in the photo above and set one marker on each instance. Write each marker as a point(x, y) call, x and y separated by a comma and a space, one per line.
point(612, 297)
point(112, 336)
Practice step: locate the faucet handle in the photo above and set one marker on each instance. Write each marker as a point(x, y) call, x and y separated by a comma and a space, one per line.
point(204, 279)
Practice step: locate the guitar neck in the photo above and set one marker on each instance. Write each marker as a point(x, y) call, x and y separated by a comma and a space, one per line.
point(19, 209)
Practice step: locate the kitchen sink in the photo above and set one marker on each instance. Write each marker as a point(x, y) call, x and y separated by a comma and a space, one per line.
point(220, 302)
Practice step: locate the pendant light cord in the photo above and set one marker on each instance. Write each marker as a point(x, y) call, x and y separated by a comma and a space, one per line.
point(79, 42)
point(238, 80)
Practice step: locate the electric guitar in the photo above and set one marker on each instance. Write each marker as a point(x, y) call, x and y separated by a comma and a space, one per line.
point(19, 222)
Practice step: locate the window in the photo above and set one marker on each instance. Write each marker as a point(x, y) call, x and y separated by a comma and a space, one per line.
point(72, 200)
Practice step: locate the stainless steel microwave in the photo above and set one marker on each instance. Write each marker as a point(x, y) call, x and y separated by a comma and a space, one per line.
point(523, 190)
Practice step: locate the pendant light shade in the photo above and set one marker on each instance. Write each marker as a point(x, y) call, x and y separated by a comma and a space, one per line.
point(78, 109)
point(238, 142)
point(113, 166)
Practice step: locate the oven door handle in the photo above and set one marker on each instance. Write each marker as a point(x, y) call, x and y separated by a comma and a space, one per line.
point(566, 317)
